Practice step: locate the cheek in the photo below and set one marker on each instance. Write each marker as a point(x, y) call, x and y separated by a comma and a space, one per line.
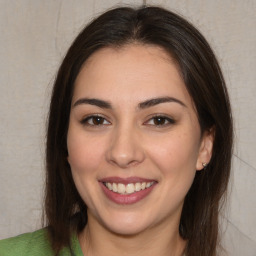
point(84, 153)
point(85, 157)
point(176, 159)
point(175, 154)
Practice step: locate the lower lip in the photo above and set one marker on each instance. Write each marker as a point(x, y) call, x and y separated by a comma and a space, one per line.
point(127, 198)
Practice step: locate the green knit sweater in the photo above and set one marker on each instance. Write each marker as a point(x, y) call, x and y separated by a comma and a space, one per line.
point(36, 244)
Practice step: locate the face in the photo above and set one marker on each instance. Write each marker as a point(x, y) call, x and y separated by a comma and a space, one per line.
point(134, 141)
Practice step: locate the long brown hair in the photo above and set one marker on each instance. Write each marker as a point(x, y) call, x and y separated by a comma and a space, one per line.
point(64, 208)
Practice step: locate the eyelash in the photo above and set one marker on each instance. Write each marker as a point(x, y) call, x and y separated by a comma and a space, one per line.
point(164, 121)
point(167, 121)
point(92, 118)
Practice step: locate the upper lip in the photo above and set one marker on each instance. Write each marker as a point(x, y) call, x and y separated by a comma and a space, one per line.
point(125, 180)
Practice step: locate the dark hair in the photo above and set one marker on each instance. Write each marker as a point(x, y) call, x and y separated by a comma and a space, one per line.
point(206, 86)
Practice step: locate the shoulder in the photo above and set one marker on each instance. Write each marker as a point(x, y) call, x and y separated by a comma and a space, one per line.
point(29, 244)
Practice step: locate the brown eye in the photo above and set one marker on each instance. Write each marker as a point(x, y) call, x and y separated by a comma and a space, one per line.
point(160, 121)
point(95, 121)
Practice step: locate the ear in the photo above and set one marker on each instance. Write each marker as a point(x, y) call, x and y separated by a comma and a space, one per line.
point(205, 151)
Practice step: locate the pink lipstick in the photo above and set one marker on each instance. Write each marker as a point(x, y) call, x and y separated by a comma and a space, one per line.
point(126, 190)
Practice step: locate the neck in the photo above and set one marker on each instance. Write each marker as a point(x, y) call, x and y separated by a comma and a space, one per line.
point(161, 240)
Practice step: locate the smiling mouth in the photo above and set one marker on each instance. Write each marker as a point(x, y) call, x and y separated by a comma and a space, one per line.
point(126, 189)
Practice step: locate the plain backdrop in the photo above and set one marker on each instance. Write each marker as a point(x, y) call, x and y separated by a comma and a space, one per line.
point(34, 36)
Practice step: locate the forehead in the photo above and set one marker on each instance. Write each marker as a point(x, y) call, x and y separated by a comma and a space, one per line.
point(132, 71)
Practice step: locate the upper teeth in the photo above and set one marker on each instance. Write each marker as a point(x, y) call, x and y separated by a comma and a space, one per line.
point(129, 188)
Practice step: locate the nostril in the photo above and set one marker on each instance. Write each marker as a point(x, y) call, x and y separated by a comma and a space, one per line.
point(124, 163)
point(125, 160)
point(124, 149)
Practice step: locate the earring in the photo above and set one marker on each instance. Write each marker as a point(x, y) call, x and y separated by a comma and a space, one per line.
point(204, 165)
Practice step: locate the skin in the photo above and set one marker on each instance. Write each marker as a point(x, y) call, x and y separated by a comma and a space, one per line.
point(128, 140)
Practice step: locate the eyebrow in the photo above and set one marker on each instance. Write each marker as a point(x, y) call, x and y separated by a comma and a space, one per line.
point(95, 102)
point(156, 101)
point(145, 104)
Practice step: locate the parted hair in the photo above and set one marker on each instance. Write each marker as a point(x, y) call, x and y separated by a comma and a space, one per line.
point(65, 211)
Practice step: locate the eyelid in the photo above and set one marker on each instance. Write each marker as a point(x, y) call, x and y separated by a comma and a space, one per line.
point(170, 120)
point(167, 120)
point(84, 120)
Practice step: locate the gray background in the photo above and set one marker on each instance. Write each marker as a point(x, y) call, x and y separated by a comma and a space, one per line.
point(34, 36)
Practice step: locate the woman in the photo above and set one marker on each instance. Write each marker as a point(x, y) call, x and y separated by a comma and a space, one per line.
point(139, 142)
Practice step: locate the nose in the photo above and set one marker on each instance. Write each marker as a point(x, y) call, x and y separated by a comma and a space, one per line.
point(125, 149)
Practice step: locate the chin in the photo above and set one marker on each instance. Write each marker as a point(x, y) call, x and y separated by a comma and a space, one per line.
point(126, 230)
point(126, 225)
